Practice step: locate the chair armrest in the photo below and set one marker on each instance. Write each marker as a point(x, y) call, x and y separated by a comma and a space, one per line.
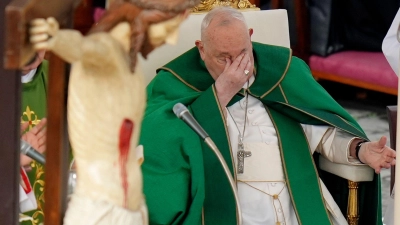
point(357, 173)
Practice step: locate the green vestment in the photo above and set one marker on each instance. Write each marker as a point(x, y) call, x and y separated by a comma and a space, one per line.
point(184, 182)
point(34, 101)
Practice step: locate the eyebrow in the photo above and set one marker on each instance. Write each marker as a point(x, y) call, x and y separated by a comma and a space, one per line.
point(227, 54)
point(223, 54)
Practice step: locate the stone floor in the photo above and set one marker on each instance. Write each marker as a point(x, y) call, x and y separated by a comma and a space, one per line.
point(369, 109)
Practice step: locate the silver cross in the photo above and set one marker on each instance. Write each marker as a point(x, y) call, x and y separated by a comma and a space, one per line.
point(241, 154)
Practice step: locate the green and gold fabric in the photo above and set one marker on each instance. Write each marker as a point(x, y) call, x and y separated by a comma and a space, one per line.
point(184, 183)
point(34, 106)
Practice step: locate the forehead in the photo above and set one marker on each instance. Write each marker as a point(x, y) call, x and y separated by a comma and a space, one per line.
point(228, 39)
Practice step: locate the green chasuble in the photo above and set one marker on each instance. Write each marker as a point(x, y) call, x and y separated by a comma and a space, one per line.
point(184, 182)
point(34, 99)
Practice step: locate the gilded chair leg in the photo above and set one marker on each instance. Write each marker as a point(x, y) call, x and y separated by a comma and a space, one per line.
point(352, 206)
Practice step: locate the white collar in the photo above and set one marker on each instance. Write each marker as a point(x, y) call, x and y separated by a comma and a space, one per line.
point(28, 77)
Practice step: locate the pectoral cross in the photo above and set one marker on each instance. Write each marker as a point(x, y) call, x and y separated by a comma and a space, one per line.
point(241, 154)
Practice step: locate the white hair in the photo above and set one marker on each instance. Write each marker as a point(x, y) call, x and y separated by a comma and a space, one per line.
point(228, 15)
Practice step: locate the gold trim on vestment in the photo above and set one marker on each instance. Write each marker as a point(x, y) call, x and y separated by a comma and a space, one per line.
point(283, 93)
point(323, 119)
point(349, 124)
point(180, 78)
point(202, 216)
point(229, 142)
point(226, 131)
point(284, 166)
point(316, 172)
point(272, 181)
point(282, 76)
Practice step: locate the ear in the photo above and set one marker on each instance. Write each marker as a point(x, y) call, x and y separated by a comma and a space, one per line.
point(250, 32)
point(200, 47)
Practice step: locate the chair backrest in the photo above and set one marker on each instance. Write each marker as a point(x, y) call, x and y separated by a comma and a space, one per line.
point(392, 117)
point(270, 27)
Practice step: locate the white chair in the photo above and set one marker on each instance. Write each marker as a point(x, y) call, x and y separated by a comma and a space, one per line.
point(262, 23)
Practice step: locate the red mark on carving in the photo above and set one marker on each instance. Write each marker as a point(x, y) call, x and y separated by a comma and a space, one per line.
point(125, 134)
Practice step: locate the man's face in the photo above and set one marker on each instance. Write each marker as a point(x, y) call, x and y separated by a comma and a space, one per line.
point(35, 63)
point(224, 43)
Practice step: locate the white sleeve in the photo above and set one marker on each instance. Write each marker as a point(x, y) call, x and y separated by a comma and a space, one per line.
point(27, 200)
point(330, 142)
point(391, 46)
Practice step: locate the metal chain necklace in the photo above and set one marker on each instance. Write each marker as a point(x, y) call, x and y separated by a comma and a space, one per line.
point(241, 153)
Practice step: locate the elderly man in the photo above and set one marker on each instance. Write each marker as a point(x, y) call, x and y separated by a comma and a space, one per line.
point(258, 99)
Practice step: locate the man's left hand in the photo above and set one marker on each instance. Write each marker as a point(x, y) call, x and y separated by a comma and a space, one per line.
point(377, 155)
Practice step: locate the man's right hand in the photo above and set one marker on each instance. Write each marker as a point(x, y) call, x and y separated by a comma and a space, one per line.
point(232, 79)
point(36, 137)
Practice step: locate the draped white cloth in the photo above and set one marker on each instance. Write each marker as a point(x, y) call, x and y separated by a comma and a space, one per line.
point(84, 210)
point(391, 46)
point(27, 200)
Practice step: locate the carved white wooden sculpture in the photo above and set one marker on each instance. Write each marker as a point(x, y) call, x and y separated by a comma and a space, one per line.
point(106, 102)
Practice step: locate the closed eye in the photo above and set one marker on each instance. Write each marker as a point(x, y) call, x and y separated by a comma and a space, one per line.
point(221, 60)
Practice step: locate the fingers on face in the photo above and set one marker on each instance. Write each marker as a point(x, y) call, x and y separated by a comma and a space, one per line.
point(248, 65)
point(243, 63)
point(227, 64)
point(237, 62)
